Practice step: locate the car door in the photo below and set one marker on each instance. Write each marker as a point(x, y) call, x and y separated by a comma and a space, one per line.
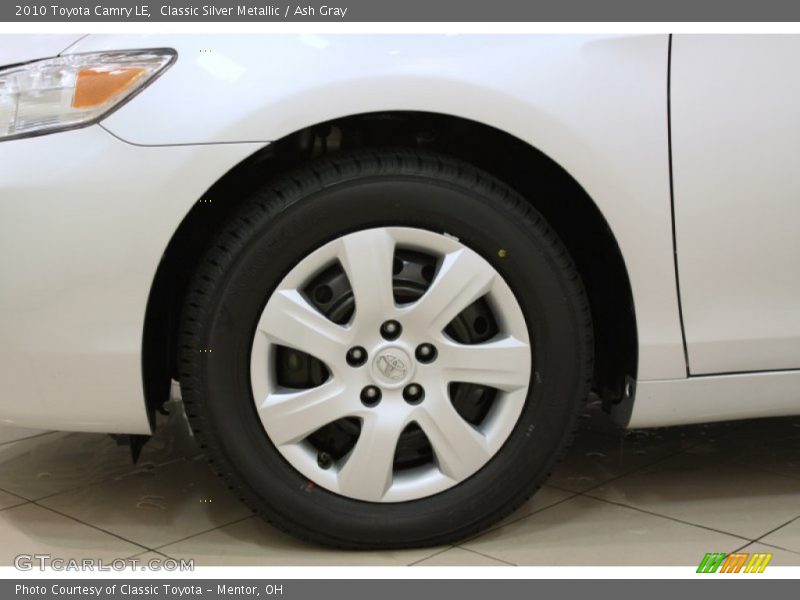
point(735, 127)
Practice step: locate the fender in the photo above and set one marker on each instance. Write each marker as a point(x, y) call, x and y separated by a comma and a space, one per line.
point(597, 105)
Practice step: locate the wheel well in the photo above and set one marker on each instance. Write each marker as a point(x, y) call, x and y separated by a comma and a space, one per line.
point(554, 193)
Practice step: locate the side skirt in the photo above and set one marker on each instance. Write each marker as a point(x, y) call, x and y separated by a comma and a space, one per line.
point(711, 398)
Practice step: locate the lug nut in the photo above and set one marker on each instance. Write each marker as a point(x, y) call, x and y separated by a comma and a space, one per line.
point(356, 356)
point(426, 353)
point(391, 330)
point(370, 396)
point(413, 393)
point(324, 460)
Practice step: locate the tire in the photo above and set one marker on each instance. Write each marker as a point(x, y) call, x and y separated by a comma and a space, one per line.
point(277, 231)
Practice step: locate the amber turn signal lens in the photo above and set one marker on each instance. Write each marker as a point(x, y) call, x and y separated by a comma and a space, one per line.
point(74, 90)
point(95, 87)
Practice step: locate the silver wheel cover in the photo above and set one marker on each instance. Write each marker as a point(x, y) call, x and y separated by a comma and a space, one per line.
point(459, 449)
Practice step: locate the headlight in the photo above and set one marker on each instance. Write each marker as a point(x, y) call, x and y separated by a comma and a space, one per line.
point(74, 90)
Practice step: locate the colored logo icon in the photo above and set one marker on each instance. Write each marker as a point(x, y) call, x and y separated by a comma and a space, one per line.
point(735, 562)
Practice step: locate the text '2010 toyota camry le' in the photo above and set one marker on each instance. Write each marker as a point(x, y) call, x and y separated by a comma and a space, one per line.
point(387, 271)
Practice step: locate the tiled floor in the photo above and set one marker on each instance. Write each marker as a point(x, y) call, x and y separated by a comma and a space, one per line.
point(659, 497)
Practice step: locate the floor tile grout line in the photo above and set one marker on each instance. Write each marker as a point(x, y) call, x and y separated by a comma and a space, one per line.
point(495, 558)
point(111, 533)
point(188, 537)
point(153, 551)
point(668, 518)
point(10, 493)
point(29, 437)
point(626, 474)
point(16, 505)
point(731, 431)
point(771, 531)
point(561, 489)
point(773, 546)
point(437, 553)
point(501, 525)
point(163, 554)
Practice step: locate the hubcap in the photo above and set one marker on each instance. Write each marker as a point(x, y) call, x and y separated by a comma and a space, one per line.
point(392, 367)
point(390, 364)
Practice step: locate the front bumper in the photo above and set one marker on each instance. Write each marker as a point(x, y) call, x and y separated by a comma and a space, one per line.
point(84, 221)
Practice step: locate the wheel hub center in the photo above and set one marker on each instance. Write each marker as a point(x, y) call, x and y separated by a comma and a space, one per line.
point(392, 367)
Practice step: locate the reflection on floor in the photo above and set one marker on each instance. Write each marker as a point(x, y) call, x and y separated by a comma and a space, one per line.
point(657, 497)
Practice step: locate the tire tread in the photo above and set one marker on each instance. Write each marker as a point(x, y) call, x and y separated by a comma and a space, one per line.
point(275, 197)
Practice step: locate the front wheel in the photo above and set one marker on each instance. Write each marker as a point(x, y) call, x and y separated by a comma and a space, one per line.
point(385, 349)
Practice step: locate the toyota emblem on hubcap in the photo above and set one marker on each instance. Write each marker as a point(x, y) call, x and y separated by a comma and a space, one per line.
point(392, 367)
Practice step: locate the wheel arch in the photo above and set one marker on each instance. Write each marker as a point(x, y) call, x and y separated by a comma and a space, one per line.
point(542, 181)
